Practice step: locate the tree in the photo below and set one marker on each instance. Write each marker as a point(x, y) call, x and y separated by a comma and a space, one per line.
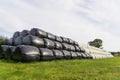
point(96, 43)
point(1, 39)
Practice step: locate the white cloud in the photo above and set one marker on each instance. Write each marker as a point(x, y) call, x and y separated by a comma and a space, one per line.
point(81, 20)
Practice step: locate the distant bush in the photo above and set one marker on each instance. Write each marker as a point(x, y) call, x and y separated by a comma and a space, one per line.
point(116, 53)
point(1, 39)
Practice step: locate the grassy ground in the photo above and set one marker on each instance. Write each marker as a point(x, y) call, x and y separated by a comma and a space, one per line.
point(100, 69)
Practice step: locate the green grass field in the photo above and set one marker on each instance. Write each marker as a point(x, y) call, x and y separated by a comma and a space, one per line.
point(99, 69)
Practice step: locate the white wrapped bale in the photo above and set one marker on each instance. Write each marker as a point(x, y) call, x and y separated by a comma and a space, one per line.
point(58, 54)
point(38, 32)
point(33, 40)
point(26, 53)
point(46, 54)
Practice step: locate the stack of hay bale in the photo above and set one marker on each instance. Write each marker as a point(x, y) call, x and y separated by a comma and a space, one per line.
point(36, 44)
point(96, 53)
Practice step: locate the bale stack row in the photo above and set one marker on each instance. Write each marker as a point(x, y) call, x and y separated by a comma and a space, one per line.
point(36, 44)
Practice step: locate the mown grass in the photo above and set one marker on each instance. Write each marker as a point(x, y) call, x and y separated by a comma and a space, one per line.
point(100, 69)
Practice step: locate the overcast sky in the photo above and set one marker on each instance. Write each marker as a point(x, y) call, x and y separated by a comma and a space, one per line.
point(81, 20)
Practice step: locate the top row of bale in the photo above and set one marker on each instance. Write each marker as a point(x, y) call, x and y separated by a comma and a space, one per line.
point(17, 36)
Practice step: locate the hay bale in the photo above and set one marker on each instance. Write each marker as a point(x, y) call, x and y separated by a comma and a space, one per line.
point(46, 54)
point(18, 41)
point(74, 54)
point(58, 54)
point(67, 54)
point(49, 43)
point(58, 45)
point(26, 53)
point(4, 50)
point(16, 34)
point(51, 36)
point(38, 32)
point(25, 33)
point(33, 40)
point(59, 39)
point(65, 40)
point(65, 46)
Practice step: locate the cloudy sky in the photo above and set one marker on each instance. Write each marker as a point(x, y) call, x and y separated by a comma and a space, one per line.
point(81, 20)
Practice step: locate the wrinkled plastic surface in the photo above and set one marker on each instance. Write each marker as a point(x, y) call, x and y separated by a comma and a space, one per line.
point(49, 43)
point(67, 54)
point(16, 34)
point(26, 53)
point(38, 32)
point(46, 54)
point(65, 40)
point(74, 54)
point(18, 41)
point(57, 38)
point(51, 36)
point(33, 40)
point(24, 33)
point(58, 45)
point(58, 54)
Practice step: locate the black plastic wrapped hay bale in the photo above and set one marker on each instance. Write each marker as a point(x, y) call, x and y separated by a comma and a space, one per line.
point(26, 53)
point(46, 54)
point(8, 53)
point(74, 55)
point(4, 50)
point(16, 34)
point(0, 51)
point(57, 38)
point(67, 54)
point(58, 45)
point(70, 41)
point(25, 33)
point(33, 40)
point(72, 48)
point(18, 41)
point(65, 40)
point(65, 46)
point(58, 54)
point(84, 55)
point(49, 43)
point(5, 42)
point(38, 32)
point(77, 48)
point(79, 55)
point(51, 36)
